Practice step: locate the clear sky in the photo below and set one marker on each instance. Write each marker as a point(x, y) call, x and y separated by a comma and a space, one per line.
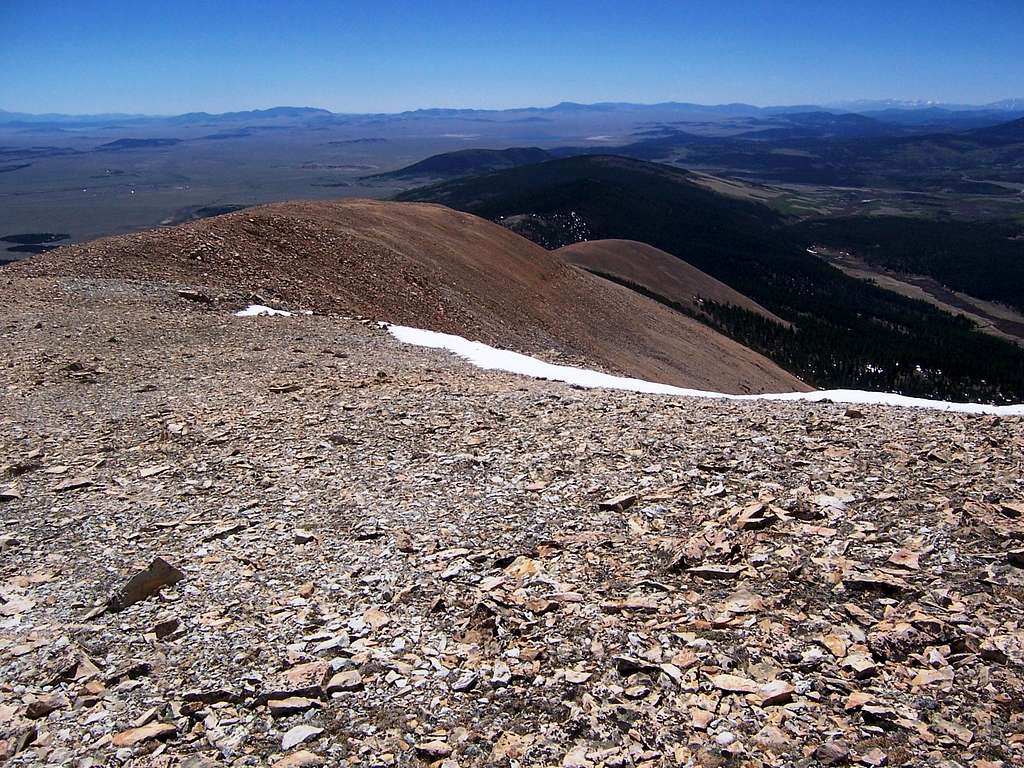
point(89, 56)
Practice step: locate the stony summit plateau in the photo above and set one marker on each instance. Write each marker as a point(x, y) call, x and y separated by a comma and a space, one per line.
point(294, 541)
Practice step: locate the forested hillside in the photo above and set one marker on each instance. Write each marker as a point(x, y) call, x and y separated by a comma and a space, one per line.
point(847, 333)
point(984, 259)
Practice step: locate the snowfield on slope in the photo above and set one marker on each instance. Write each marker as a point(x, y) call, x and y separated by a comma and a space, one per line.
point(490, 358)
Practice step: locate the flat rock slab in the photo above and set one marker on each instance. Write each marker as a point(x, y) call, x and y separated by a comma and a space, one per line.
point(145, 584)
point(134, 736)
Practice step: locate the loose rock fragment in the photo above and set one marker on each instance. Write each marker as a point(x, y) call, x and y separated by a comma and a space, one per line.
point(223, 530)
point(772, 739)
point(860, 664)
point(301, 759)
point(872, 582)
point(74, 484)
point(166, 627)
point(301, 681)
point(465, 682)
point(716, 571)
point(349, 680)
point(290, 706)
point(874, 757)
point(776, 692)
point(833, 753)
point(905, 558)
point(44, 705)
point(10, 493)
point(145, 584)
point(735, 684)
point(134, 736)
point(299, 735)
point(619, 503)
point(434, 750)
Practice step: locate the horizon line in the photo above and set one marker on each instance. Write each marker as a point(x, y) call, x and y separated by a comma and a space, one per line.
point(893, 103)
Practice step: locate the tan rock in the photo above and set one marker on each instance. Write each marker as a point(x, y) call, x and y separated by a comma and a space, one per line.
point(835, 644)
point(307, 679)
point(905, 558)
point(776, 692)
point(734, 684)
point(134, 736)
point(772, 739)
point(860, 664)
point(510, 746)
point(301, 759)
point(348, 680)
point(856, 700)
point(926, 677)
point(144, 584)
point(619, 503)
point(743, 602)
point(433, 750)
point(701, 718)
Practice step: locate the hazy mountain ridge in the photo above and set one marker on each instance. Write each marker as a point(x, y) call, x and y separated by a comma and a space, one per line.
point(736, 108)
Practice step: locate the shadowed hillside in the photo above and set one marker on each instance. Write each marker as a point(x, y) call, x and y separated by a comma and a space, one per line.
point(846, 332)
point(468, 162)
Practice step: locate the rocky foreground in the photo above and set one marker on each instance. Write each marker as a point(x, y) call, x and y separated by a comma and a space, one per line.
point(294, 542)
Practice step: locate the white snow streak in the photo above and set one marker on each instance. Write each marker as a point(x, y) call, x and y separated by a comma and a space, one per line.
point(490, 358)
point(258, 310)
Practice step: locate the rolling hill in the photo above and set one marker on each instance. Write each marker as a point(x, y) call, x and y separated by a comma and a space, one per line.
point(848, 150)
point(468, 162)
point(430, 267)
point(846, 332)
point(1003, 133)
point(659, 274)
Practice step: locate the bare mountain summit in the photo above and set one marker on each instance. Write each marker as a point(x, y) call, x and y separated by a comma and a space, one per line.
point(293, 541)
point(431, 267)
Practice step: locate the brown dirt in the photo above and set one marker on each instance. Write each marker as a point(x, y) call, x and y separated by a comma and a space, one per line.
point(659, 272)
point(430, 267)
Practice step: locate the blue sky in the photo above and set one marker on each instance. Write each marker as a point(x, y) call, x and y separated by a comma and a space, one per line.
point(84, 56)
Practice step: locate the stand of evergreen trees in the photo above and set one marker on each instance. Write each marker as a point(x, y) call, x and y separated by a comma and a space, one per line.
point(846, 332)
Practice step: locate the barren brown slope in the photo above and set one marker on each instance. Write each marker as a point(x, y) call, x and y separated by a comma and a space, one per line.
point(658, 272)
point(430, 267)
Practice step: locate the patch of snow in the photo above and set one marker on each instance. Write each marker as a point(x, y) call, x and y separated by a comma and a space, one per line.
point(493, 359)
point(258, 310)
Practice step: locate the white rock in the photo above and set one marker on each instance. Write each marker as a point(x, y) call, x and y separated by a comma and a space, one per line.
point(298, 735)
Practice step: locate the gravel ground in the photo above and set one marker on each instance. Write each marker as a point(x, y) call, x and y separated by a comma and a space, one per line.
point(350, 552)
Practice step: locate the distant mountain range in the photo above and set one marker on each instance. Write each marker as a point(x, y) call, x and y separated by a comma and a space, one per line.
point(869, 105)
point(847, 149)
point(565, 107)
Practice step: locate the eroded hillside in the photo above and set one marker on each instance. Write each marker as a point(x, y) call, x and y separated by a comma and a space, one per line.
point(430, 267)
